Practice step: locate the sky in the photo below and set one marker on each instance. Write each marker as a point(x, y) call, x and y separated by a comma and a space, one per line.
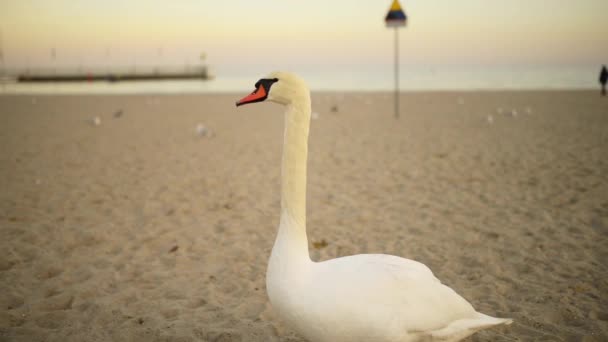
point(239, 36)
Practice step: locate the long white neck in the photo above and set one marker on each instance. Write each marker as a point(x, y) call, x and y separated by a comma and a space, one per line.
point(292, 229)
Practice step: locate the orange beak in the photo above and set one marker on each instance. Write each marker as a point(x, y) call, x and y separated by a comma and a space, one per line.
point(258, 95)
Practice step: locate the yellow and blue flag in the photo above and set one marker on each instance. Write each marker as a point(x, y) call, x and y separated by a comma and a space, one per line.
point(396, 16)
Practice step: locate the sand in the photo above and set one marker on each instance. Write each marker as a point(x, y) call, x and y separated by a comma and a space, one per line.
point(143, 227)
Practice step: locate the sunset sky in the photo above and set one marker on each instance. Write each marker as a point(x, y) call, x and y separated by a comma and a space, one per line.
point(241, 35)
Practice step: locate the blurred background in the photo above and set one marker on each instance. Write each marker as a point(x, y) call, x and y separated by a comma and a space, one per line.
point(150, 217)
point(337, 45)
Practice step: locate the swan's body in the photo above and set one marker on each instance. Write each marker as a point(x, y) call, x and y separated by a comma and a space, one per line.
point(367, 297)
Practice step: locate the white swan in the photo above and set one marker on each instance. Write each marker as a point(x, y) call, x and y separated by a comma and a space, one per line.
point(367, 297)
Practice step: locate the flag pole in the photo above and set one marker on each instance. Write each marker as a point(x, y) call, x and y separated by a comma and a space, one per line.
point(396, 72)
point(396, 18)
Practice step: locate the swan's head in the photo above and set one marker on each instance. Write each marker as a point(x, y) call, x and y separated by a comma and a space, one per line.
point(280, 87)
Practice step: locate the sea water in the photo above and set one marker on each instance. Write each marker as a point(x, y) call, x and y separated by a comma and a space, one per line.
point(411, 78)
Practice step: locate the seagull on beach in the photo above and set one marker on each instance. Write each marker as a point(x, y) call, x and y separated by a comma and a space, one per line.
point(358, 298)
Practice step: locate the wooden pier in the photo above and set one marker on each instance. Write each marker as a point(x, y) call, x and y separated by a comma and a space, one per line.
point(132, 74)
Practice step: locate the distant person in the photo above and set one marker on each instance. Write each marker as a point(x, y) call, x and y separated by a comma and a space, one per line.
point(603, 79)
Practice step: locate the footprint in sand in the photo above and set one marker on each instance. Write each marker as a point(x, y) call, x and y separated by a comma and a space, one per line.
point(57, 303)
point(10, 300)
point(50, 320)
point(196, 303)
point(49, 273)
point(170, 313)
point(222, 336)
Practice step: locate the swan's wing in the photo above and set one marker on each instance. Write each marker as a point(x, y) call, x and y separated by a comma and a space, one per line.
point(380, 270)
point(396, 267)
point(391, 291)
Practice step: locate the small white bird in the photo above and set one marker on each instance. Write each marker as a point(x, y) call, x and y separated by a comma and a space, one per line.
point(514, 113)
point(201, 130)
point(490, 119)
point(96, 121)
point(315, 115)
point(357, 298)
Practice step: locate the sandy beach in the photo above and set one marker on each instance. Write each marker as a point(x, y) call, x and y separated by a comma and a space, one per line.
point(138, 227)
